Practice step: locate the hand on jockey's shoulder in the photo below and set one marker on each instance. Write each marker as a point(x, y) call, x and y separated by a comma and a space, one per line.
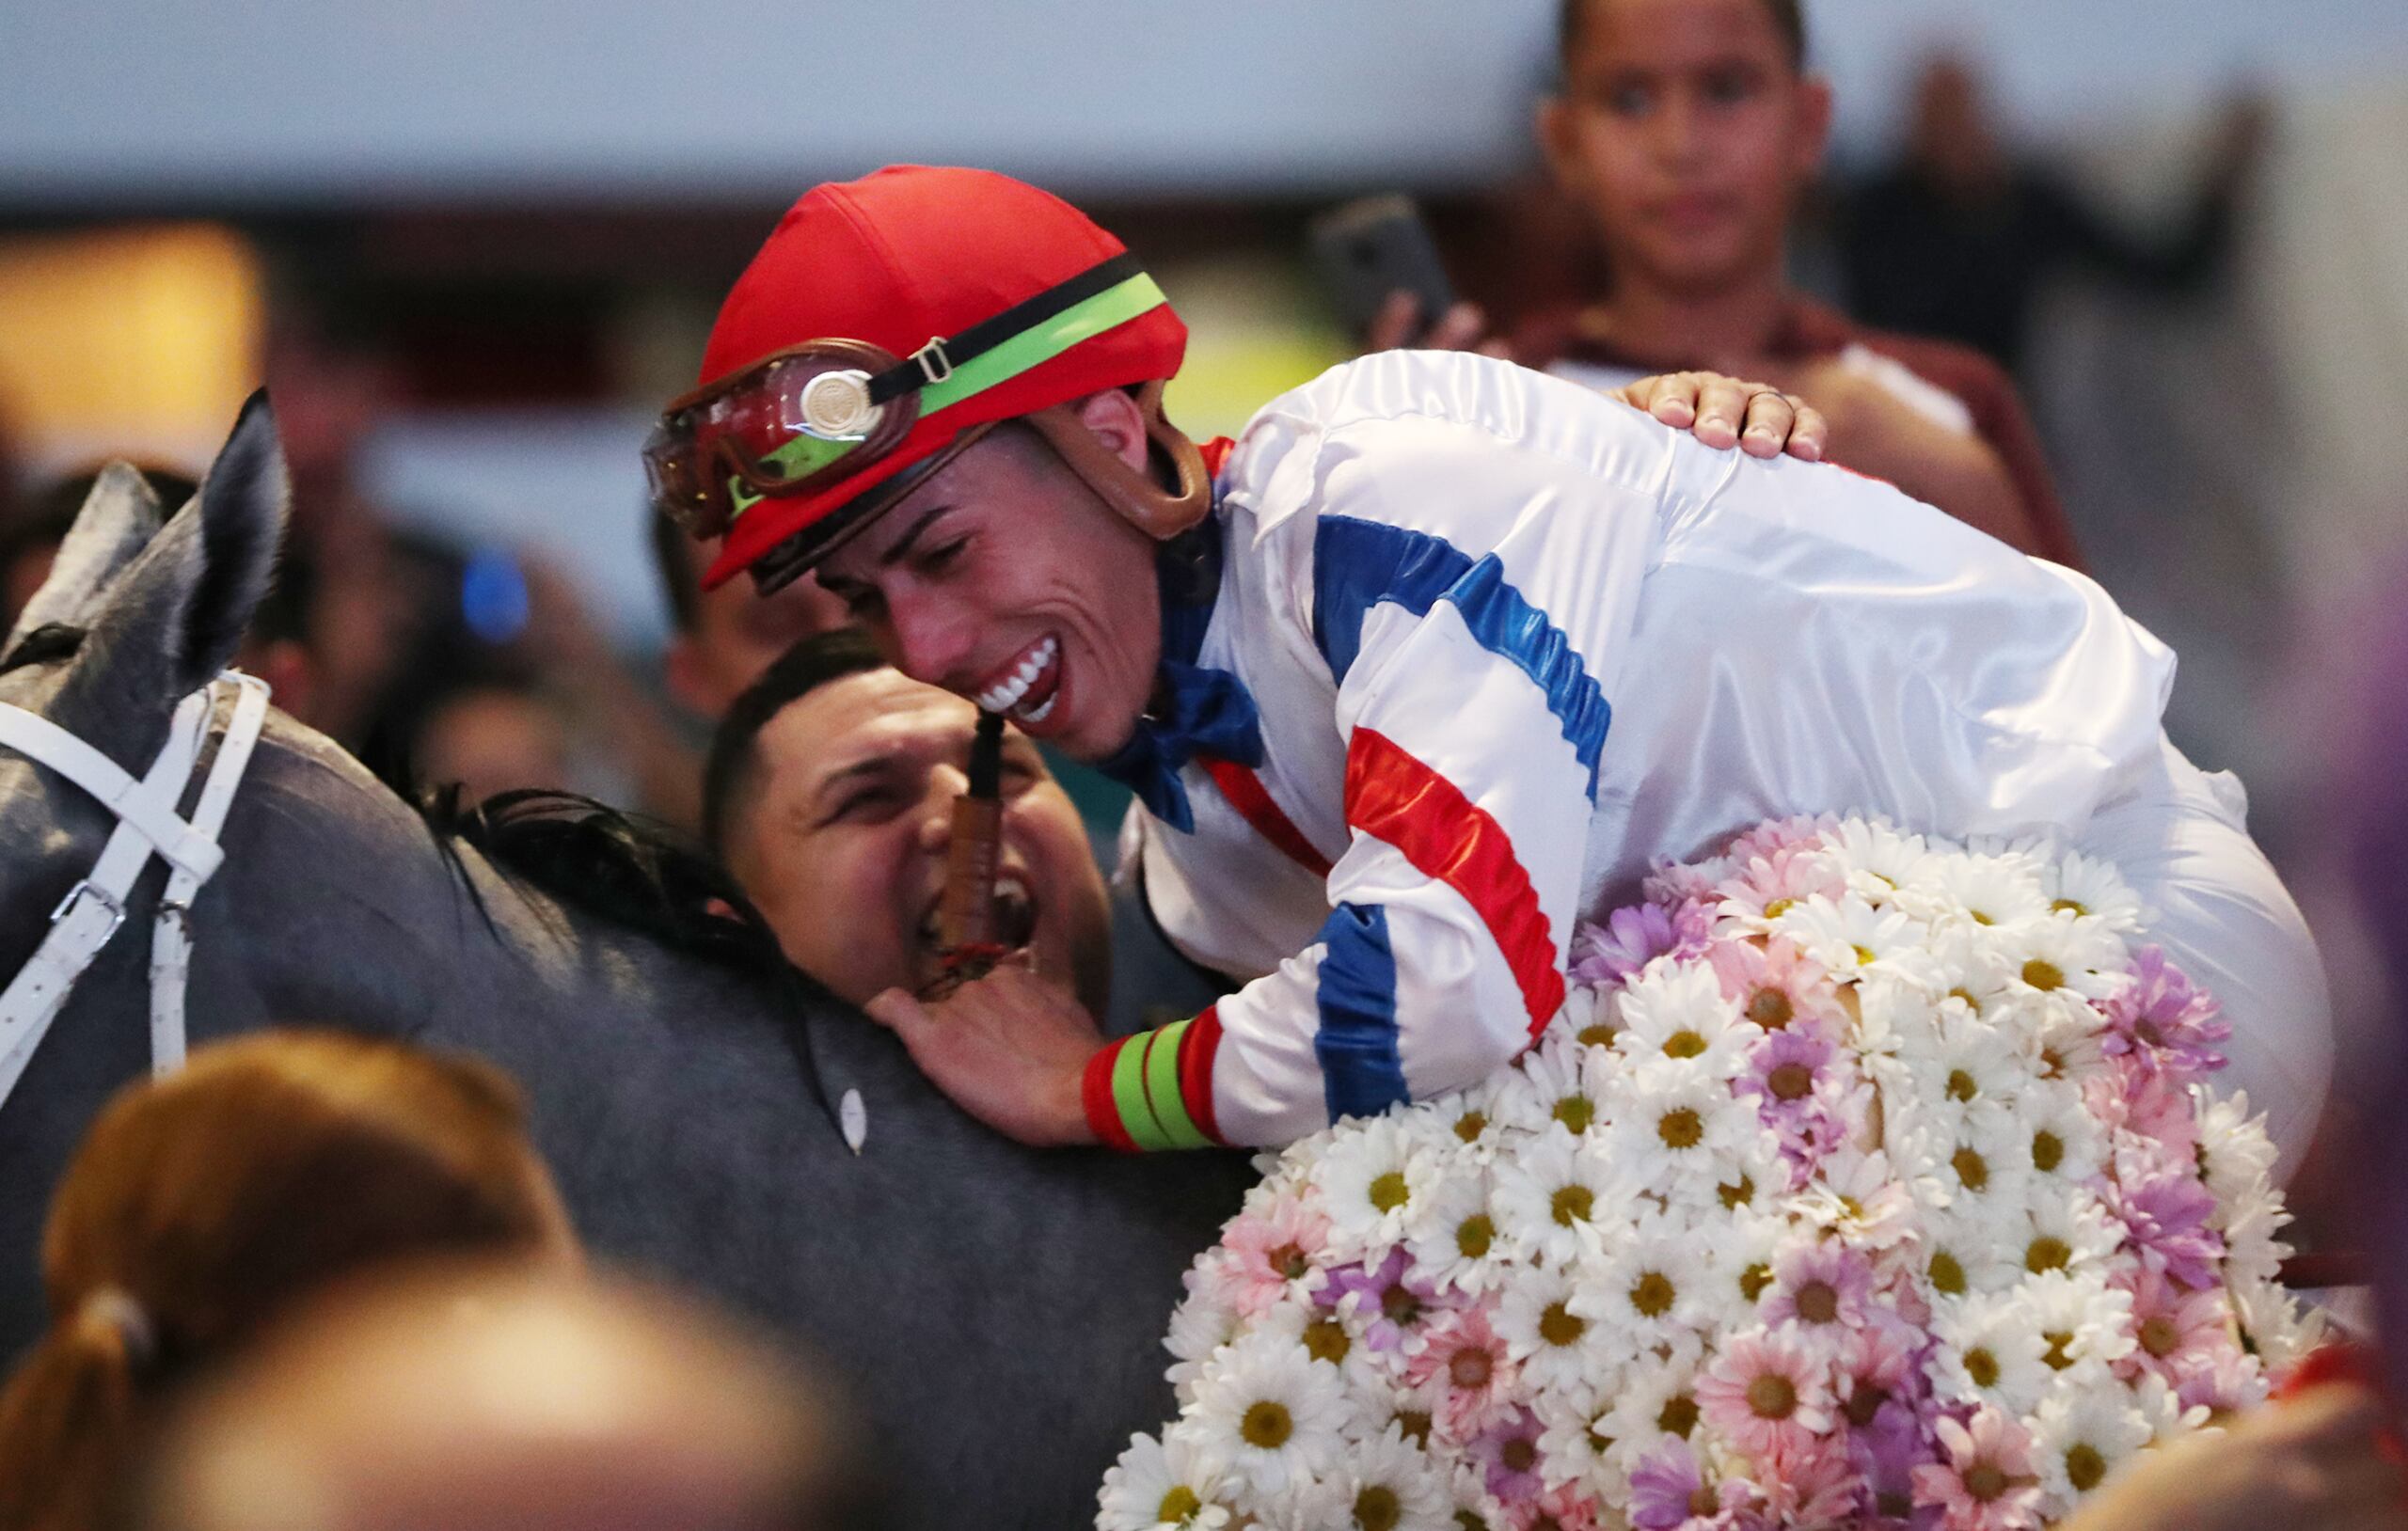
point(1463, 327)
point(1010, 1047)
point(1721, 411)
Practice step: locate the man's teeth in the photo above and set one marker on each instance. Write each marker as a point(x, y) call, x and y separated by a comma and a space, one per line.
point(1006, 694)
point(1040, 712)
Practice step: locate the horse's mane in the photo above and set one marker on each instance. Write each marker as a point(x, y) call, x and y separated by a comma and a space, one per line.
point(622, 867)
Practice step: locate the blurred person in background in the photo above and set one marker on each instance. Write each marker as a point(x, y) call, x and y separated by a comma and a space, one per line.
point(722, 640)
point(1686, 130)
point(829, 796)
point(486, 1399)
point(205, 1204)
point(495, 735)
point(1960, 238)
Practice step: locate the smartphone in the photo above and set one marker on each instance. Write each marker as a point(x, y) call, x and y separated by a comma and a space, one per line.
point(1372, 248)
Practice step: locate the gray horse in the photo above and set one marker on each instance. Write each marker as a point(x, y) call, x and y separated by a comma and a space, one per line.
point(998, 1309)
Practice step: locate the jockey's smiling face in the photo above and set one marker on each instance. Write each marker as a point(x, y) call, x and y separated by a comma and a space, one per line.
point(1005, 579)
point(842, 838)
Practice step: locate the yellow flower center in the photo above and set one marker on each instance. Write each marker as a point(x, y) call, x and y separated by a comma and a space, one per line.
point(1753, 1280)
point(1678, 1416)
point(1770, 1009)
point(2048, 1152)
point(1864, 955)
point(1288, 1261)
point(1737, 1193)
point(1970, 1168)
point(1325, 1341)
point(1414, 1427)
point(1266, 1426)
point(1864, 1404)
point(1947, 1275)
point(1818, 1302)
point(1684, 1045)
point(1651, 1294)
point(1961, 1085)
point(2158, 1336)
point(1474, 1235)
point(2070, 906)
point(1779, 906)
point(1981, 919)
point(1681, 1128)
point(1179, 1507)
point(1981, 1366)
point(1575, 1112)
point(2060, 1352)
point(2043, 975)
point(2085, 1469)
point(1572, 1204)
point(1596, 1034)
point(1790, 1082)
point(1377, 1508)
point(1772, 1397)
point(1389, 1192)
point(1470, 1125)
point(1967, 995)
point(2047, 1253)
point(1985, 1482)
point(1559, 1326)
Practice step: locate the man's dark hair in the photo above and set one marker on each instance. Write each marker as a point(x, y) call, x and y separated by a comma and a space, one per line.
point(1788, 18)
point(728, 774)
point(671, 562)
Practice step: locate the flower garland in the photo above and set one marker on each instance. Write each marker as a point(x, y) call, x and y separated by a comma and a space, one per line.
point(1864, 1180)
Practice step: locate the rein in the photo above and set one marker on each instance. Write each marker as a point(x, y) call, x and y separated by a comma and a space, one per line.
point(148, 825)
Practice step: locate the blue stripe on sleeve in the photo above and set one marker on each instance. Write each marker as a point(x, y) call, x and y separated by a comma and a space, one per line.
point(1362, 1074)
point(1357, 564)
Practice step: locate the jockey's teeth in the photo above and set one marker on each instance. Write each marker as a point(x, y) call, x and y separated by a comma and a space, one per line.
point(1002, 696)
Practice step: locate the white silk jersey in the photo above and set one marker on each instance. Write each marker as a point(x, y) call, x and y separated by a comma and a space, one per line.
point(1512, 640)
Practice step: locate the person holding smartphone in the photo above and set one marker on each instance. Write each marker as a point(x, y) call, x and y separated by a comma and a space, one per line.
point(1687, 130)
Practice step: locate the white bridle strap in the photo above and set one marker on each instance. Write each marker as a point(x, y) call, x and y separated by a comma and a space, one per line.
point(148, 825)
point(172, 931)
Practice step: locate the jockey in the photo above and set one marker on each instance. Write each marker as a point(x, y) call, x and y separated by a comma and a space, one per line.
point(1426, 667)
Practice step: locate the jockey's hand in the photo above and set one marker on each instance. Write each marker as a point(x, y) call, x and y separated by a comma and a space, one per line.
point(1722, 411)
point(1463, 327)
point(2312, 1460)
point(1009, 1049)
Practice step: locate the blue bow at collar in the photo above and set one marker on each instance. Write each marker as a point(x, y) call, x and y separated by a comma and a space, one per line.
point(1197, 710)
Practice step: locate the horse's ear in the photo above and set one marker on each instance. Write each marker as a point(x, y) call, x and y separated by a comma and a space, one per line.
point(178, 615)
point(118, 519)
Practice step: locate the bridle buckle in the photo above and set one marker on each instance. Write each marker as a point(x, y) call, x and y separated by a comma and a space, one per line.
point(107, 901)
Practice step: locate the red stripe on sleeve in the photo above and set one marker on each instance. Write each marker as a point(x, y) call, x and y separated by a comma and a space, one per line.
point(1195, 1054)
point(1396, 798)
point(1244, 791)
point(1095, 1093)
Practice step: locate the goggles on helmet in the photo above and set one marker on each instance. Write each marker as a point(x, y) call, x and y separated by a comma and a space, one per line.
point(803, 420)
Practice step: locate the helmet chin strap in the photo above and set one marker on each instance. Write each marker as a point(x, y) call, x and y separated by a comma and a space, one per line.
point(1160, 511)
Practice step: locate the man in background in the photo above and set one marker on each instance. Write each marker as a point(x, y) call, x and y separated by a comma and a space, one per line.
point(1686, 130)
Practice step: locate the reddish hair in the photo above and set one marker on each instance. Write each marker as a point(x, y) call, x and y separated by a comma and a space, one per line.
point(203, 1205)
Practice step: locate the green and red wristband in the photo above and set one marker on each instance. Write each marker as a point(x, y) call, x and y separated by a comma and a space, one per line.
point(1154, 1090)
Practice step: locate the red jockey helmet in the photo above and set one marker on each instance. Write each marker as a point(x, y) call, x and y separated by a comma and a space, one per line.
point(889, 321)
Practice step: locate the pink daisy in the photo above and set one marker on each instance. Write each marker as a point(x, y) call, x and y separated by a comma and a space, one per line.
point(1823, 1282)
point(1268, 1252)
point(1672, 883)
point(2161, 1021)
point(1773, 836)
point(1466, 1364)
point(1395, 1306)
point(2165, 1211)
point(1776, 984)
point(1632, 938)
point(1767, 1388)
point(1509, 1453)
point(1811, 1482)
point(1767, 885)
point(1985, 1479)
point(1565, 1508)
point(2176, 1332)
point(1877, 1367)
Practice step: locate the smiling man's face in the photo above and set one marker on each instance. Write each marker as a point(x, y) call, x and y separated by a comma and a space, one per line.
point(1004, 578)
point(843, 836)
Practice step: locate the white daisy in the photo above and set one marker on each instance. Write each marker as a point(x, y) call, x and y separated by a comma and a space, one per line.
point(1656, 1402)
point(1974, 959)
point(2064, 953)
point(1386, 1484)
point(1199, 1328)
point(1987, 1171)
point(1562, 1095)
point(2085, 1324)
point(1573, 1442)
point(1853, 938)
point(1590, 1017)
point(1876, 858)
point(1165, 1485)
point(2063, 1142)
point(1738, 1254)
point(1455, 1239)
point(1470, 1123)
point(1990, 1352)
point(1273, 1414)
point(1675, 1015)
point(1998, 890)
point(2281, 1327)
point(1857, 1193)
point(2253, 1252)
point(2086, 887)
point(1369, 1179)
point(1334, 1339)
point(1553, 1198)
point(1678, 1138)
point(1652, 1287)
point(1557, 1346)
point(2234, 1150)
point(2059, 1228)
point(1476, 1509)
point(2083, 1437)
point(1963, 1256)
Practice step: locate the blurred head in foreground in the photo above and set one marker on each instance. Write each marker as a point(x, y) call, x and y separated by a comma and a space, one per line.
point(203, 1205)
point(483, 1400)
